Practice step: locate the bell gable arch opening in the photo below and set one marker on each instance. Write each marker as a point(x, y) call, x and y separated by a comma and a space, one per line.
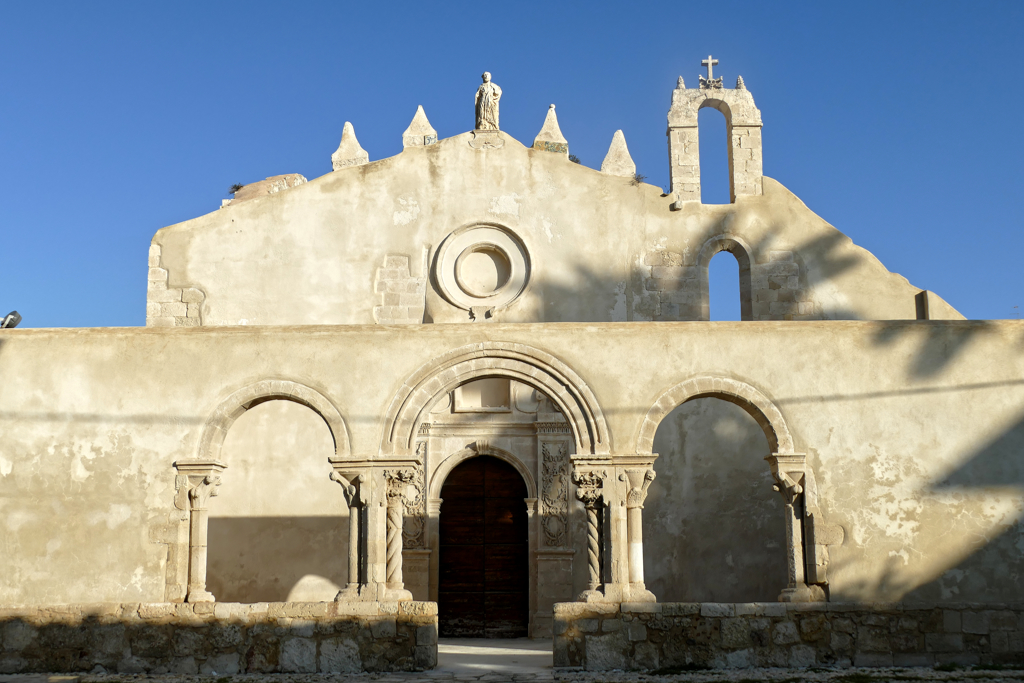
point(738, 248)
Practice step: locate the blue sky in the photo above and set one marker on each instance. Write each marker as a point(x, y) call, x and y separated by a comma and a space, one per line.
point(897, 122)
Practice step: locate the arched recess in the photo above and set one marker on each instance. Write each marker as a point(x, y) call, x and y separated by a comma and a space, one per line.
point(738, 248)
point(522, 363)
point(233, 406)
point(445, 467)
point(757, 405)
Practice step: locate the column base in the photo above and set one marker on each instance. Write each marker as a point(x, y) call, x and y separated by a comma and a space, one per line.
point(802, 593)
point(199, 595)
point(353, 592)
point(637, 592)
point(397, 595)
point(591, 595)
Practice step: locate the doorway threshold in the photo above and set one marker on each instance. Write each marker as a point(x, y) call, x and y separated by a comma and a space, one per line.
point(494, 655)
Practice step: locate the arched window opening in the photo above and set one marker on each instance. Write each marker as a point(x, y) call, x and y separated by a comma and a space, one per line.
point(724, 291)
point(714, 157)
point(712, 475)
point(278, 526)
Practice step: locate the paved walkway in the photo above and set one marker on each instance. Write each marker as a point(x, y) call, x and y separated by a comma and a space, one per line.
point(491, 655)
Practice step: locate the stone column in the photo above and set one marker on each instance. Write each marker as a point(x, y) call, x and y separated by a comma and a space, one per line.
point(397, 480)
point(638, 481)
point(788, 472)
point(203, 479)
point(352, 486)
point(589, 489)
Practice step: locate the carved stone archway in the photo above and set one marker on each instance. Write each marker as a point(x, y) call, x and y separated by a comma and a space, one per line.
point(525, 364)
point(753, 401)
point(232, 407)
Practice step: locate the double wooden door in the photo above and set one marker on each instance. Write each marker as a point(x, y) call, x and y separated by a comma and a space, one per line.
point(484, 577)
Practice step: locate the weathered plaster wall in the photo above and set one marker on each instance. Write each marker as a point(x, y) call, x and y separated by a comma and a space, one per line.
point(601, 248)
point(717, 527)
point(912, 429)
point(278, 526)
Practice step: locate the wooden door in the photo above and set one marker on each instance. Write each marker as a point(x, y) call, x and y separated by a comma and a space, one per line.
point(484, 577)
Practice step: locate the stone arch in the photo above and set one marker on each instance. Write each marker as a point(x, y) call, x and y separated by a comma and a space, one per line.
point(445, 467)
point(753, 401)
point(522, 363)
point(216, 428)
point(741, 250)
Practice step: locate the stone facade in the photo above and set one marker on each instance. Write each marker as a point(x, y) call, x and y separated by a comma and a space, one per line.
point(682, 636)
point(221, 639)
point(555, 318)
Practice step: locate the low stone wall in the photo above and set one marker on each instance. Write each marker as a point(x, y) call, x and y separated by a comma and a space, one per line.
point(220, 638)
point(672, 636)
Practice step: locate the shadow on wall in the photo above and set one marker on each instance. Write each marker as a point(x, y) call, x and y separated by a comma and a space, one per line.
point(277, 559)
point(713, 526)
point(989, 567)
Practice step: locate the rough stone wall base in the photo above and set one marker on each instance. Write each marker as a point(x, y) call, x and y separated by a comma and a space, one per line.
point(667, 636)
point(220, 638)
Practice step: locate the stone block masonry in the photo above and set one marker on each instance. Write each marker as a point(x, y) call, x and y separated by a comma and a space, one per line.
point(170, 306)
point(402, 296)
point(220, 638)
point(666, 636)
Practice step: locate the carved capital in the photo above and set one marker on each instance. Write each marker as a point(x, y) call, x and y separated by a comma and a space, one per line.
point(788, 472)
point(197, 481)
point(398, 480)
point(788, 486)
point(589, 485)
point(639, 481)
point(203, 490)
point(351, 487)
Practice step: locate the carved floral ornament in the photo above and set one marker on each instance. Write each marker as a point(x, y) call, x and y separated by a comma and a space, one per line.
point(638, 482)
point(589, 485)
point(554, 498)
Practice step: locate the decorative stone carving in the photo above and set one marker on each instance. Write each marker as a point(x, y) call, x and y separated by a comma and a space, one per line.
point(352, 487)
point(740, 85)
point(788, 472)
point(680, 84)
point(397, 482)
point(590, 490)
point(637, 482)
point(550, 138)
point(415, 520)
point(487, 96)
point(618, 161)
point(200, 479)
point(349, 153)
point(710, 81)
point(482, 267)
point(420, 132)
point(554, 499)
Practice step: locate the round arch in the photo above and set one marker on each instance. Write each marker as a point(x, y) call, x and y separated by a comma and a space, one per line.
point(753, 401)
point(736, 246)
point(522, 363)
point(445, 467)
point(229, 410)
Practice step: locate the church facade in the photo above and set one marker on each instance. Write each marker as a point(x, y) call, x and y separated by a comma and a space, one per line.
point(480, 375)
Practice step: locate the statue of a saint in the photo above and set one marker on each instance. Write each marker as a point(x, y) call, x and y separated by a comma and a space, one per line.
point(487, 96)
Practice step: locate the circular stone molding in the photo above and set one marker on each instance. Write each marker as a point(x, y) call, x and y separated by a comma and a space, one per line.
point(482, 265)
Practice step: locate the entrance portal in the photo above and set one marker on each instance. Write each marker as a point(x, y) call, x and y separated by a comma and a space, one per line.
point(484, 578)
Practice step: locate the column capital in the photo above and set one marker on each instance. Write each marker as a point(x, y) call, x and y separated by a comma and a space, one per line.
point(788, 472)
point(637, 482)
point(201, 481)
point(352, 486)
point(589, 484)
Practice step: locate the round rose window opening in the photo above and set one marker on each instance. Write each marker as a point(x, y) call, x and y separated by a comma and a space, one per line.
point(482, 269)
point(482, 265)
